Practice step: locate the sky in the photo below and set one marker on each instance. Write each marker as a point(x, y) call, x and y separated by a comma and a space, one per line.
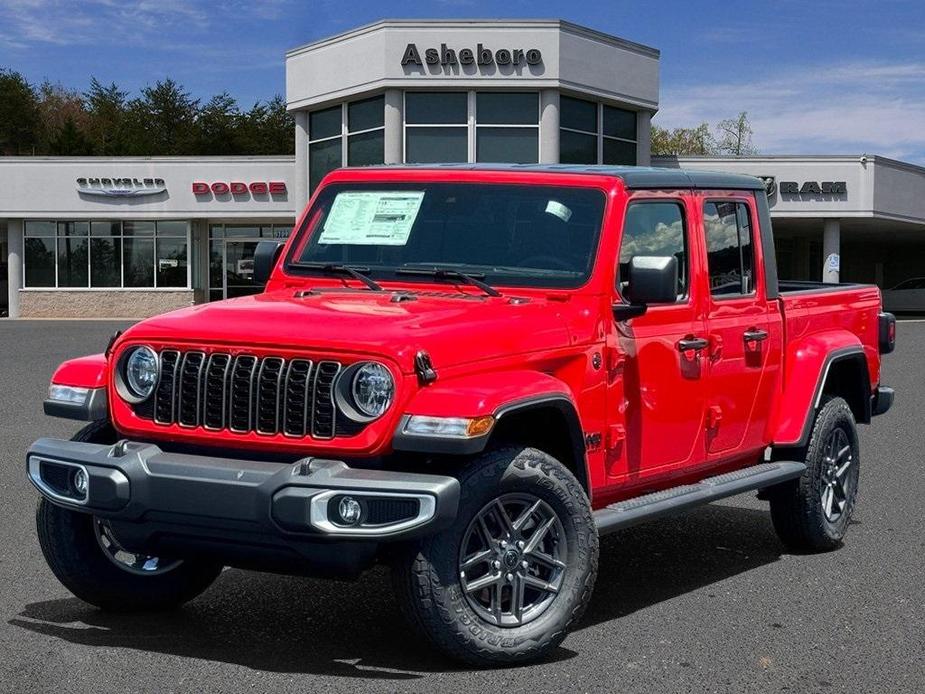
point(819, 77)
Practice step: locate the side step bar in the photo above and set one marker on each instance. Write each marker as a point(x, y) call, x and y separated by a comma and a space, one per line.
point(668, 501)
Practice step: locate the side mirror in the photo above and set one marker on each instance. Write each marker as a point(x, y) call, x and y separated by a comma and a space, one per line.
point(650, 280)
point(265, 257)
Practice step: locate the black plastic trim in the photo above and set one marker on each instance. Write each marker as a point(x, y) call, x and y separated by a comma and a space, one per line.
point(882, 401)
point(771, 283)
point(96, 407)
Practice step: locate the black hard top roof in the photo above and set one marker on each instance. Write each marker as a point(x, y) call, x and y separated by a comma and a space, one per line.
point(632, 176)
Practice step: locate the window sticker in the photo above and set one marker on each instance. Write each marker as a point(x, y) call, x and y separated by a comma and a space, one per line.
point(554, 207)
point(371, 218)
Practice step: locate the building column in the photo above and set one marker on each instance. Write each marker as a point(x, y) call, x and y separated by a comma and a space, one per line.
point(549, 126)
point(301, 161)
point(643, 138)
point(14, 264)
point(394, 118)
point(831, 251)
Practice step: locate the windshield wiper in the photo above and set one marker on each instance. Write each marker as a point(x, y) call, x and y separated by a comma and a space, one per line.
point(354, 271)
point(442, 273)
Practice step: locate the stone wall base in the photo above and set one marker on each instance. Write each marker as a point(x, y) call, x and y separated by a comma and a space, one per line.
point(61, 303)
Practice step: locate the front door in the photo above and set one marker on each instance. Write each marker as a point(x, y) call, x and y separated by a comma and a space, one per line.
point(739, 329)
point(660, 396)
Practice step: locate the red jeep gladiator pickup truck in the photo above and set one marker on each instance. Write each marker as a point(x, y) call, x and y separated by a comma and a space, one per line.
point(469, 373)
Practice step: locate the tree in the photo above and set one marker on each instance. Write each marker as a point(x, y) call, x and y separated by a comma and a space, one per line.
point(683, 141)
point(218, 126)
point(269, 128)
point(163, 120)
point(60, 108)
point(735, 136)
point(19, 117)
point(70, 141)
point(106, 119)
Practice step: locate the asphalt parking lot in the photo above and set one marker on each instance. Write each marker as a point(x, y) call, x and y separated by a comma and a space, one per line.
point(706, 602)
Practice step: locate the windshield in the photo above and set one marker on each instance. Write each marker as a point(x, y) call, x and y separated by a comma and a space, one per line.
point(516, 235)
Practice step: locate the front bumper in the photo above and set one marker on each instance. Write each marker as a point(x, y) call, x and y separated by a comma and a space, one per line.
point(241, 511)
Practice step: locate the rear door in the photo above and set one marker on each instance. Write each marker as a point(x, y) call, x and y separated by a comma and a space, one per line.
point(661, 395)
point(738, 326)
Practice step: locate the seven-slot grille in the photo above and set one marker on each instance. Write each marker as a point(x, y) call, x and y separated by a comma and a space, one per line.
point(244, 393)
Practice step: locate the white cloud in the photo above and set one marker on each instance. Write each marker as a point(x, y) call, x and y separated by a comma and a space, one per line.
point(877, 108)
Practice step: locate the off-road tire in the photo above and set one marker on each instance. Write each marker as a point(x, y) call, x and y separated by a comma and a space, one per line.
point(797, 505)
point(427, 579)
point(69, 542)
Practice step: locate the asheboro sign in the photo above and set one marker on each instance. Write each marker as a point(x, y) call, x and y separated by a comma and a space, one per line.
point(480, 55)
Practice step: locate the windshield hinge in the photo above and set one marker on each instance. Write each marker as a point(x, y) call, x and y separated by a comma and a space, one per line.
point(424, 368)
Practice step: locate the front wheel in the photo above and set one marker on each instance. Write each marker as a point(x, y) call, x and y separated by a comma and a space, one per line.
point(86, 556)
point(514, 574)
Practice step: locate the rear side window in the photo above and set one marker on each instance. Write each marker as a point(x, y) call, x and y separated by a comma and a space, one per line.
point(654, 228)
point(730, 248)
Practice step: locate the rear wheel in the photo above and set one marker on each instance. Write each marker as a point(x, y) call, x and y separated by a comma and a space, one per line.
point(508, 580)
point(813, 512)
point(86, 556)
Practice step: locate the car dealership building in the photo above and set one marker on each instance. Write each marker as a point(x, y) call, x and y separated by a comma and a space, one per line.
point(130, 237)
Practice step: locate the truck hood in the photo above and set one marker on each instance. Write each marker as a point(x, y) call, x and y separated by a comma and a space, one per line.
point(453, 327)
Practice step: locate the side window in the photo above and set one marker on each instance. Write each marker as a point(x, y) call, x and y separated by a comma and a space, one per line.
point(730, 248)
point(654, 228)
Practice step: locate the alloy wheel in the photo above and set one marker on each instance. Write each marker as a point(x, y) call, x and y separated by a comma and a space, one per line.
point(837, 482)
point(141, 564)
point(512, 559)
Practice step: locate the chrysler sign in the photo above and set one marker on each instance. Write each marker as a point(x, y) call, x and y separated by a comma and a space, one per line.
point(118, 187)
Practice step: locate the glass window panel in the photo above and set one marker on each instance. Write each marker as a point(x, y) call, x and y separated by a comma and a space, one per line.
point(40, 229)
point(577, 114)
point(323, 157)
point(138, 262)
point(514, 145)
point(619, 122)
point(654, 228)
point(507, 108)
point(325, 123)
point(216, 294)
point(105, 262)
point(72, 262)
point(577, 148)
point(138, 228)
point(366, 114)
point(436, 107)
point(433, 145)
point(172, 228)
point(40, 262)
point(105, 229)
point(216, 231)
point(171, 262)
point(366, 149)
point(216, 264)
point(240, 268)
point(728, 243)
point(73, 228)
point(619, 152)
point(242, 230)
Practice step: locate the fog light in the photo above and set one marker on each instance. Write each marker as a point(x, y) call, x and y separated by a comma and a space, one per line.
point(349, 510)
point(80, 482)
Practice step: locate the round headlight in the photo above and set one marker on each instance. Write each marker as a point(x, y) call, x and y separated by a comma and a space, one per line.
point(372, 389)
point(141, 372)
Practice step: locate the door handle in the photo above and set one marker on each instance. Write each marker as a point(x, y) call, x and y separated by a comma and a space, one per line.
point(691, 343)
point(755, 335)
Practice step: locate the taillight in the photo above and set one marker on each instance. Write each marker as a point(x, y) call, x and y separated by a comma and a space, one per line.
point(887, 332)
